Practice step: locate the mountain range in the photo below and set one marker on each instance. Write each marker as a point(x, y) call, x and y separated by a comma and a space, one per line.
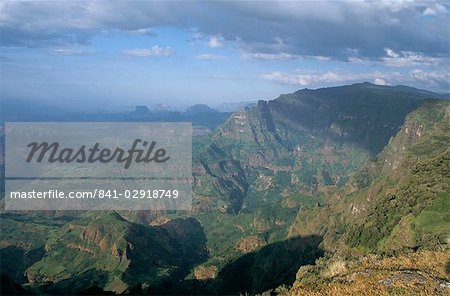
point(335, 190)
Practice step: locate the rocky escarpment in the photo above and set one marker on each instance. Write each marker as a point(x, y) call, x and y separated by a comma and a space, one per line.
point(304, 141)
point(399, 206)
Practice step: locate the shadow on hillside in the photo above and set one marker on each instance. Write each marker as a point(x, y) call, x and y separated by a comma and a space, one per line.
point(10, 287)
point(77, 284)
point(357, 114)
point(267, 268)
point(15, 260)
point(184, 246)
point(270, 267)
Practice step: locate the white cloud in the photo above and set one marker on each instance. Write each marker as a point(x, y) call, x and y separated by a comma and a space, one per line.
point(380, 81)
point(308, 78)
point(143, 31)
point(154, 51)
point(440, 8)
point(312, 78)
point(270, 56)
point(68, 52)
point(215, 41)
point(282, 56)
point(209, 57)
point(410, 58)
point(358, 60)
point(437, 79)
point(432, 78)
point(434, 9)
point(395, 5)
point(390, 53)
point(429, 11)
point(318, 58)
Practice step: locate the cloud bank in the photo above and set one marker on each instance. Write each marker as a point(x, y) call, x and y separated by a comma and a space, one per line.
point(432, 79)
point(338, 30)
point(154, 51)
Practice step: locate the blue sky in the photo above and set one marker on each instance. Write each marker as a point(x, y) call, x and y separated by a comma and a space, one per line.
point(124, 53)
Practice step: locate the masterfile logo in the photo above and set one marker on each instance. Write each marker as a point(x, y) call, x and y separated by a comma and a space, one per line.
point(98, 166)
point(53, 153)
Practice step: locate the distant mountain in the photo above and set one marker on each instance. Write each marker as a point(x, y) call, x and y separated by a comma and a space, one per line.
point(234, 107)
point(199, 109)
point(140, 111)
point(203, 118)
point(161, 108)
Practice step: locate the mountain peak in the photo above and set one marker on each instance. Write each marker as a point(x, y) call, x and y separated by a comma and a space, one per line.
point(140, 111)
point(199, 108)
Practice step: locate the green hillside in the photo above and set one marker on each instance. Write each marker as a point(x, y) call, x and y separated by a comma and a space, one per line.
point(397, 206)
point(408, 182)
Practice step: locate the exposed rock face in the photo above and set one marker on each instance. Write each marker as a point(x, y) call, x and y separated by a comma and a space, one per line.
point(205, 273)
point(250, 244)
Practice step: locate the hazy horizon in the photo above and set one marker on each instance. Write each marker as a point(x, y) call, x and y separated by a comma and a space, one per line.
point(94, 106)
